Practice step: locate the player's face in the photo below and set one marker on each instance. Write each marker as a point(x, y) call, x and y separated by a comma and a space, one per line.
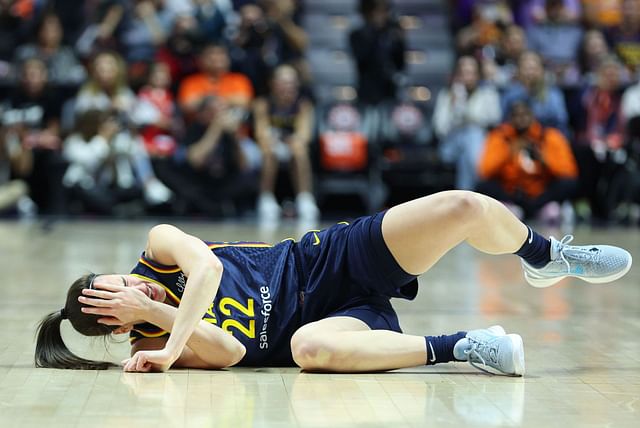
point(150, 289)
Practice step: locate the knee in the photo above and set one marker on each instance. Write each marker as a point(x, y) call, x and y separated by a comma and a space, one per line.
point(465, 206)
point(298, 150)
point(310, 352)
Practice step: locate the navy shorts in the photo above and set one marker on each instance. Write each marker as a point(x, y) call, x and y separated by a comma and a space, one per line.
point(348, 270)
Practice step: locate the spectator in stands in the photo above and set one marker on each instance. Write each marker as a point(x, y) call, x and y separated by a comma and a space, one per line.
point(107, 91)
point(62, 64)
point(15, 164)
point(214, 79)
point(213, 17)
point(502, 70)
point(32, 125)
point(602, 14)
point(16, 22)
point(143, 27)
point(210, 171)
point(269, 34)
point(602, 136)
point(179, 52)
point(378, 48)
point(593, 51)
point(155, 113)
point(283, 122)
point(488, 18)
point(556, 40)
point(546, 100)
point(625, 38)
point(528, 166)
point(463, 112)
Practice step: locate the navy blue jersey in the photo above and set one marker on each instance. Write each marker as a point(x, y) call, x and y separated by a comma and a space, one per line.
point(257, 302)
point(267, 292)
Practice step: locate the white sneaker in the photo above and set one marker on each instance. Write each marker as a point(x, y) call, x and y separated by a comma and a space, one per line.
point(156, 193)
point(306, 206)
point(491, 347)
point(268, 208)
point(592, 263)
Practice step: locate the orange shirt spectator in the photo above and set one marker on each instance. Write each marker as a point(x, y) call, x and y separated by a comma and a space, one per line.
point(527, 161)
point(214, 80)
point(234, 87)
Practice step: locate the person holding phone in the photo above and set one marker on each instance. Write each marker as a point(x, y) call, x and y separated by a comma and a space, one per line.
point(529, 167)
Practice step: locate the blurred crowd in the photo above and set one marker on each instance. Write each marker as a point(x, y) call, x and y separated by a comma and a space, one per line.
point(126, 107)
point(542, 110)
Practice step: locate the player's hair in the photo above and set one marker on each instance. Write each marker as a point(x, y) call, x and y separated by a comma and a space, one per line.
point(51, 351)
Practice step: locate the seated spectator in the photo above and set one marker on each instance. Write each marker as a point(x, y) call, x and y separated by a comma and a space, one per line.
point(106, 89)
point(16, 23)
point(210, 170)
point(179, 52)
point(283, 122)
point(463, 112)
point(32, 124)
point(625, 38)
point(593, 51)
point(545, 100)
point(144, 27)
point(62, 65)
point(556, 40)
point(602, 136)
point(529, 167)
point(108, 169)
point(378, 48)
point(502, 70)
point(488, 18)
point(15, 163)
point(602, 14)
point(155, 113)
point(212, 17)
point(214, 79)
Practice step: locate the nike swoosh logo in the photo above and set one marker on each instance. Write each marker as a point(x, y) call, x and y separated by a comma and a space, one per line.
point(531, 236)
point(433, 353)
point(317, 239)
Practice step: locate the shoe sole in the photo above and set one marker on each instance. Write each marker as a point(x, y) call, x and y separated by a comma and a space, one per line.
point(548, 282)
point(518, 354)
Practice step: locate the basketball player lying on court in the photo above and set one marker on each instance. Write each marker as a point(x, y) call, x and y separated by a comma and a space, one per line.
point(321, 303)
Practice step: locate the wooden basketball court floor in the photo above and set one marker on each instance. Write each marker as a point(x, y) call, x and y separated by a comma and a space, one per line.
point(582, 348)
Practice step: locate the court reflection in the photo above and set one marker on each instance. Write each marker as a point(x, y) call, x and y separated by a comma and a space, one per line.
point(239, 398)
point(373, 400)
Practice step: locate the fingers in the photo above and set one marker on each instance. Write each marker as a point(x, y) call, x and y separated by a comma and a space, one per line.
point(108, 287)
point(105, 295)
point(100, 303)
point(109, 312)
point(137, 363)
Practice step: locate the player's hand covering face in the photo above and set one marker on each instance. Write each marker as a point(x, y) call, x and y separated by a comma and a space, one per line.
point(121, 300)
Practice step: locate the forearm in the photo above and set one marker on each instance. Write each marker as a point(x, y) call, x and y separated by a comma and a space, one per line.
point(208, 342)
point(200, 289)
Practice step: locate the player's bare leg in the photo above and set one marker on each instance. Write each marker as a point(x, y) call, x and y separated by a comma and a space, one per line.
point(418, 233)
point(346, 344)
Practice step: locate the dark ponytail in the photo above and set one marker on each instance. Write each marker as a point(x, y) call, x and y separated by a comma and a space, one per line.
point(51, 351)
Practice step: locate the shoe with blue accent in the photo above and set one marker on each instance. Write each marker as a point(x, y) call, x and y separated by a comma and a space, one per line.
point(492, 347)
point(592, 263)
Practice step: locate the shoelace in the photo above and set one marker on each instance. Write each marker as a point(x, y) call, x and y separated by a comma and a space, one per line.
point(474, 351)
point(561, 245)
